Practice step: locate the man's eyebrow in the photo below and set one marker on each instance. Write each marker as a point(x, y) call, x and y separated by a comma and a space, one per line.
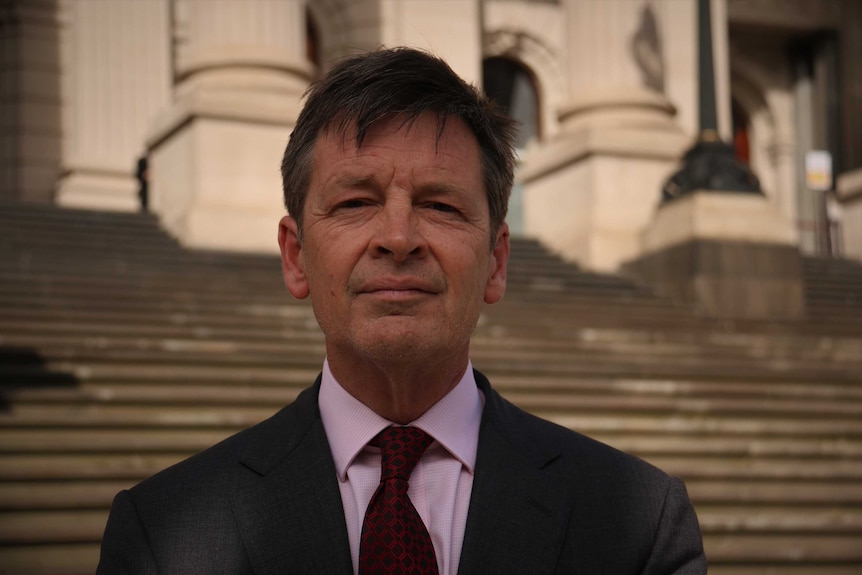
point(444, 188)
point(355, 181)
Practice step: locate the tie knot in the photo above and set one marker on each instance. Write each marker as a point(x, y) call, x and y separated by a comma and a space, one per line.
point(400, 450)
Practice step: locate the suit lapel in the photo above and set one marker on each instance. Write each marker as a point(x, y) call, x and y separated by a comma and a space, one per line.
point(288, 506)
point(518, 512)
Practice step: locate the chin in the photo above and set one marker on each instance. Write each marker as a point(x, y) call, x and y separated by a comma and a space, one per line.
point(393, 347)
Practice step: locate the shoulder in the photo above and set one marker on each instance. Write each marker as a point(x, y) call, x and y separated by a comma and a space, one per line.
point(173, 517)
point(560, 450)
point(621, 501)
point(216, 469)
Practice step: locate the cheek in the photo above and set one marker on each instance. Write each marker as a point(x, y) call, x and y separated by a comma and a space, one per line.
point(329, 275)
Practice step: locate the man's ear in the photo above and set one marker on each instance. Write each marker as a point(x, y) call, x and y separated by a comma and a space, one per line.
point(292, 262)
point(496, 286)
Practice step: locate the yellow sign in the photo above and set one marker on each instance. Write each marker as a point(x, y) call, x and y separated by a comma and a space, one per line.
point(818, 170)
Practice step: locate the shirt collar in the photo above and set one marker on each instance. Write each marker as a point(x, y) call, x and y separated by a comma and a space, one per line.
point(350, 424)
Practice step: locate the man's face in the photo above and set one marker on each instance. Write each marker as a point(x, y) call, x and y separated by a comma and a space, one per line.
point(395, 246)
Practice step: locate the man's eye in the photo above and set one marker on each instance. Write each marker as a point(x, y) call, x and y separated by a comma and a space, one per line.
point(352, 204)
point(441, 207)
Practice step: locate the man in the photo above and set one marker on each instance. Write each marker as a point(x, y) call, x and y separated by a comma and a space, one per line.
point(397, 177)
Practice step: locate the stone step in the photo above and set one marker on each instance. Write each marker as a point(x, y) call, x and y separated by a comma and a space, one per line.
point(494, 322)
point(107, 466)
point(750, 468)
point(183, 370)
point(90, 441)
point(183, 354)
point(783, 550)
point(815, 449)
point(151, 440)
point(785, 519)
point(131, 306)
point(664, 358)
point(750, 494)
point(143, 296)
point(532, 400)
point(25, 327)
point(138, 465)
point(573, 404)
point(54, 526)
point(81, 559)
point(159, 395)
point(56, 261)
point(172, 326)
point(84, 525)
point(56, 495)
point(690, 387)
point(111, 417)
point(818, 568)
point(608, 425)
point(682, 387)
point(526, 268)
point(57, 559)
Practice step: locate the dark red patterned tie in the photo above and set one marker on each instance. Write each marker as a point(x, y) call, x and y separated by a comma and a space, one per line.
point(394, 539)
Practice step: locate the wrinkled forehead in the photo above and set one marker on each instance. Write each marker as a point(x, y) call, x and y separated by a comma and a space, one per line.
point(426, 139)
point(354, 132)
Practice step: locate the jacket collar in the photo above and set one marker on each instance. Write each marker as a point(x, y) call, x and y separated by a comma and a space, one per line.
point(518, 510)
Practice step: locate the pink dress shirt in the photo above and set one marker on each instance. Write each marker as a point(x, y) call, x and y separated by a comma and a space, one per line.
point(442, 480)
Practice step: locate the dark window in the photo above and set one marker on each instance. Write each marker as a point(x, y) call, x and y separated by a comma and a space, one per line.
point(511, 85)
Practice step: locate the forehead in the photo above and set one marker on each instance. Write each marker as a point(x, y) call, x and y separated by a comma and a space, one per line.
point(422, 142)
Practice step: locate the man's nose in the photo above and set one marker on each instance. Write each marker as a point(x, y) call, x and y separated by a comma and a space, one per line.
point(398, 234)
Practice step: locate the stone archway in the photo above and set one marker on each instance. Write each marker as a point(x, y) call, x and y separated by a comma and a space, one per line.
point(532, 53)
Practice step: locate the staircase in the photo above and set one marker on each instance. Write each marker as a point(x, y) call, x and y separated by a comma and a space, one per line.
point(122, 353)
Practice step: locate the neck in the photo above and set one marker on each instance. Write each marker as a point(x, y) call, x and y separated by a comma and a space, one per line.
point(399, 393)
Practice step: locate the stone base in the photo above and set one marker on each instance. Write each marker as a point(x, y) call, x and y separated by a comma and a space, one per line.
point(728, 280)
point(850, 196)
point(98, 190)
point(716, 215)
point(728, 253)
point(215, 157)
point(215, 184)
point(584, 194)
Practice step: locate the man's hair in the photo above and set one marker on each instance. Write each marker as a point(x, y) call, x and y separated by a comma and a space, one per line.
point(365, 89)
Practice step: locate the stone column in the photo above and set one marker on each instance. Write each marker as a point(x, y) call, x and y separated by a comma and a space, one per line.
point(450, 29)
point(30, 100)
point(116, 77)
point(215, 152)
point(592, 190)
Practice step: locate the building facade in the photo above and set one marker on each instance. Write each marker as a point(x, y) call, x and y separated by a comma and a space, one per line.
point(607, 93)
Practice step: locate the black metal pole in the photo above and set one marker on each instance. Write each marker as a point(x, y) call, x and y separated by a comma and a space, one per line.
point(710, 164)
point(706, 72)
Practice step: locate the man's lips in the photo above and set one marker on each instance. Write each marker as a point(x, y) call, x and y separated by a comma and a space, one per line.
point(398, 286)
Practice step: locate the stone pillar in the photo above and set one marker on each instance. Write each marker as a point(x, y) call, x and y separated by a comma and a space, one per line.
point(216, 150)
point(590, 191)
point(850, 195)
point(30, 100)
point(116, 77)
point(450, 29)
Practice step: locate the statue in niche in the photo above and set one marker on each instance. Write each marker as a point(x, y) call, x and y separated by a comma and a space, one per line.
point(647, 50)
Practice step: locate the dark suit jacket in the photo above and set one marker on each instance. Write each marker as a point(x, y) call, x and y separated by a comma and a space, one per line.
point(544, 500)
